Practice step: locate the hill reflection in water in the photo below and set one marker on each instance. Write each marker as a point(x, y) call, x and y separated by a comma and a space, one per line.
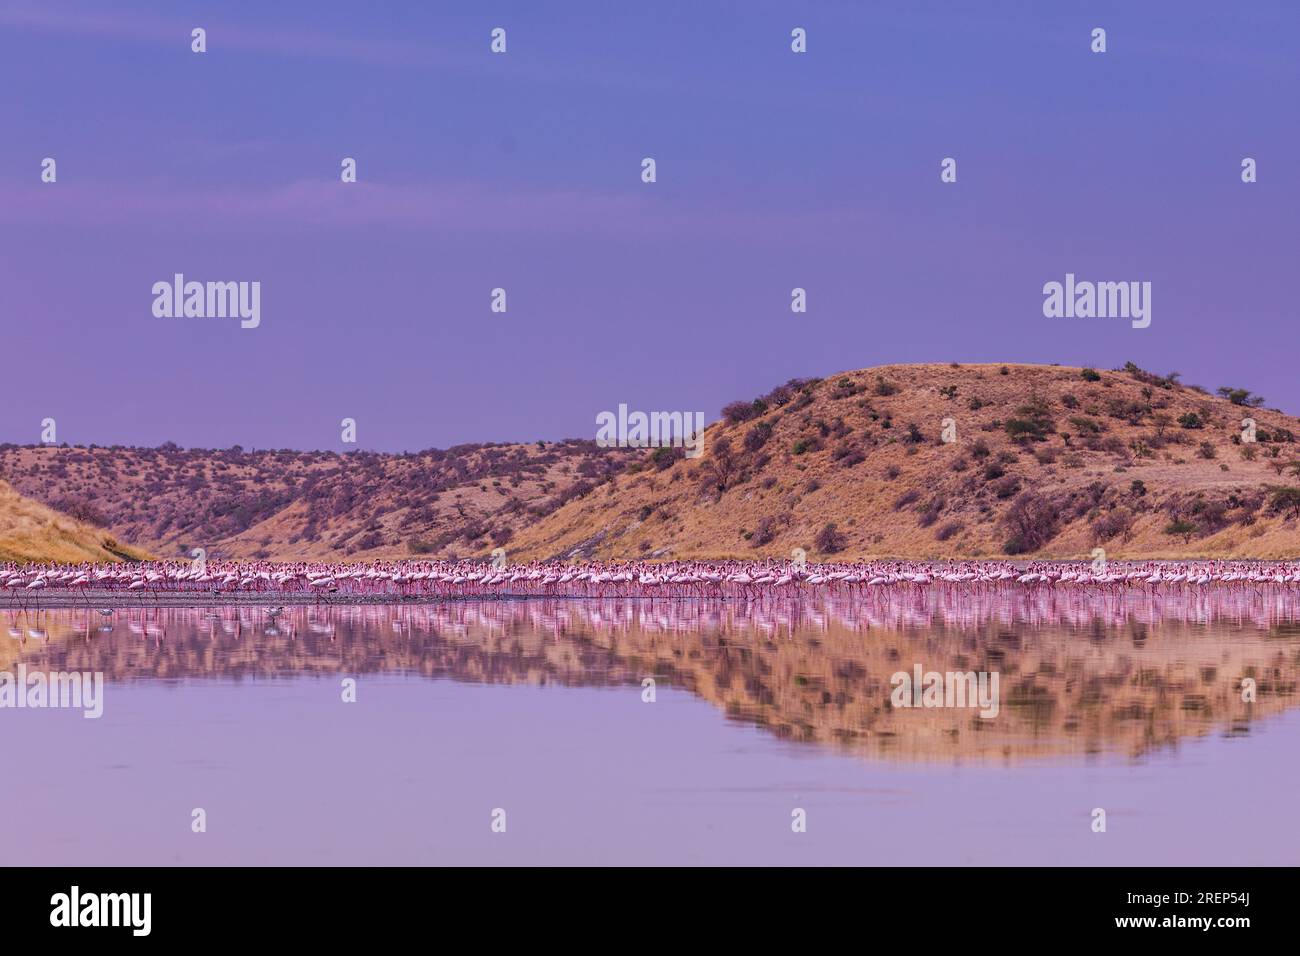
point(1080, 673)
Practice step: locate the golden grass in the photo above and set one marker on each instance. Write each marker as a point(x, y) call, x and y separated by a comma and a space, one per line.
point(670, 514)
point(32, 532)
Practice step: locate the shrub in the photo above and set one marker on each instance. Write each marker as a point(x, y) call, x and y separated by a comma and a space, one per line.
point(846, 388)
point(1207, 450)
point(737, 412)
point(905, 499)
point(721, 467)
point(1090, 375)
point(828, 540)
point(797, 391)
point(1190, 420)
point(854, 456)
point(81, 510)
point(370, 540)
point(1150, 378)
point(1031, 522)
point(1241, 396)
point(1209, 515)
point(1006, 487)
point(1118, 521)
point(1131, 412)
point(1033, 421)
point(665, 456)
point(1285, 501)
point(757, 436)
point(930, 513)
point(1181, 527)
point(948, 529)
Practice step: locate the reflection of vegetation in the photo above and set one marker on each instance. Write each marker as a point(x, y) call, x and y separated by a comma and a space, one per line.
point(813, 677)
point(1034, 703)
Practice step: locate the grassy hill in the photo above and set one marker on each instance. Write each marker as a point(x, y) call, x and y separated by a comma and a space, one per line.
point(291, 505)
point(1047, 460)
point(30, 531)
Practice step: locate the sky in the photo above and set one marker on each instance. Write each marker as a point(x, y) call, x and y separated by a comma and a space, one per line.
point(522, 171)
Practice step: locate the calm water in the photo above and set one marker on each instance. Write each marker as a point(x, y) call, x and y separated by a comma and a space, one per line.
point(536, 707)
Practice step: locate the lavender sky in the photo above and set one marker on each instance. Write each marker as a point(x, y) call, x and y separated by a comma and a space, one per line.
point(522, 170)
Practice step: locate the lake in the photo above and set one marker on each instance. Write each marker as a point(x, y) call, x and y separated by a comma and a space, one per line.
point(536, 715)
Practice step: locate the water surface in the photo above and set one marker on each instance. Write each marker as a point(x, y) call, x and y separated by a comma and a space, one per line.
point(1132, 704)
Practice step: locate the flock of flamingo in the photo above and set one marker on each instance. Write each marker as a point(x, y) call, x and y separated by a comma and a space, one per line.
point(888, 609)
point(416, 580)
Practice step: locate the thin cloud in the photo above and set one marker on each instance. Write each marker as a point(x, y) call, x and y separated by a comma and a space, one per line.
point(458, 208)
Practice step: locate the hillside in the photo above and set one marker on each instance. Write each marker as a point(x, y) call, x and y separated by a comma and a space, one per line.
point(1048, 460)
point(29, 531)
point(289, 505)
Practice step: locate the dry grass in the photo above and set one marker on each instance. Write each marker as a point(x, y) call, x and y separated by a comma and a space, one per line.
point(29, 531)
point(843, 455)
point(860, 450)
point(291, 505)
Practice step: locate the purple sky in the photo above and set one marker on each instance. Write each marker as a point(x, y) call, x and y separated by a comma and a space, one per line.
point(522, 171)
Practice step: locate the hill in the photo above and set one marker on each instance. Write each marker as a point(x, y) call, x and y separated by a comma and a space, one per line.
point(29, 531)
point(1048, 461)
point(291, 505)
